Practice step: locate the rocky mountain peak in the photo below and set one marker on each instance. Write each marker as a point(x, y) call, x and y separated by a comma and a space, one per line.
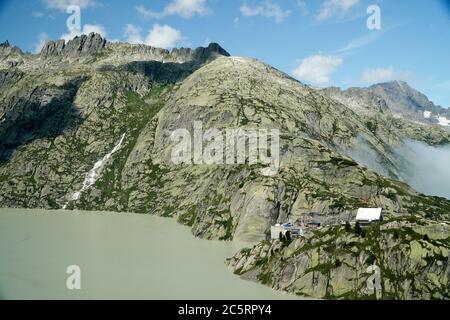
point(79, 46)
point(10, 53)
point(212, 50)
point(397, 96)
point(398, 85)
point(200, 54)
point(5, 44)
point(403, 97)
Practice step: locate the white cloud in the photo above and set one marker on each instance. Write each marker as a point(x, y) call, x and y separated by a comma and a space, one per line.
point(361, 42)
point(331, 7)
point(133, 34)
point(42, 39)
point(365, 40)
point(301, 4)
point(186, 8)
point(266, 9)
point(317, 69)
point(182, 8)
point(37, 14)
point(147, 13)
point(372, 76)
point(163, 36)
point(63, 4)
point(160, 36)
point(87, 28)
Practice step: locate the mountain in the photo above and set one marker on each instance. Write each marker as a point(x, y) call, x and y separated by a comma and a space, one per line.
point(66, 108)
point(88, 124)
point(397, 97)
point(394, 104)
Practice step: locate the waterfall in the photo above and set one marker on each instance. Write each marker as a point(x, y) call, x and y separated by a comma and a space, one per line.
point(94, 173)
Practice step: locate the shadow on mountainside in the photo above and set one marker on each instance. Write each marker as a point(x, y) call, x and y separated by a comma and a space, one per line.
point(159, 72)
point(171, 72)
point(44, 112)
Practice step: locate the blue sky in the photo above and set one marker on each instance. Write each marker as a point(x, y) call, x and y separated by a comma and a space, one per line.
point(320, 42)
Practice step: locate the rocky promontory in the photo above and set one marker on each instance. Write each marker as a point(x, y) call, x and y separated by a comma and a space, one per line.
point(401, 258)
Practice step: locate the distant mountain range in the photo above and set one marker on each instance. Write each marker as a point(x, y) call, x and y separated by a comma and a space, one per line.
point(397, 97)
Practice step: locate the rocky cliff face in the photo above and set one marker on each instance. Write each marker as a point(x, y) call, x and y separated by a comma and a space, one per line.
point(79, 46)
point(10, 56)
point(63, 113)
point(403, 258)
point(94, 45)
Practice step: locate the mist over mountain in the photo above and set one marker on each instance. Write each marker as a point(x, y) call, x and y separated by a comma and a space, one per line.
point(427, 167)
point(420, 164)
point(424, 167)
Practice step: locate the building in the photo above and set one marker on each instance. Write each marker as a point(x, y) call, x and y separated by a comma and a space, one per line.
point(283, 228)
point(312, 225)
point(366, 216)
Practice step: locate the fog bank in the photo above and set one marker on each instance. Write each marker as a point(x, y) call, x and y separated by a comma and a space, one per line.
point(423, 167)
point(426, 168)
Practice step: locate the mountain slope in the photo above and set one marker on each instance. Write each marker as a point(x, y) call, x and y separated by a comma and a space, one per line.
point(397, 114)
point(87, 125)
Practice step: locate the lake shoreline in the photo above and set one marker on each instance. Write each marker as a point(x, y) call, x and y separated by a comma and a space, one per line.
point(140, 249)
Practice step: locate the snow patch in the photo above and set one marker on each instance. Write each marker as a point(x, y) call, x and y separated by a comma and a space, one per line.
point(239, 59)
point(427, 114)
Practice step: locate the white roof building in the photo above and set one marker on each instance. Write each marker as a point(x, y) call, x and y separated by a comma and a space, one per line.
point(369, 214)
